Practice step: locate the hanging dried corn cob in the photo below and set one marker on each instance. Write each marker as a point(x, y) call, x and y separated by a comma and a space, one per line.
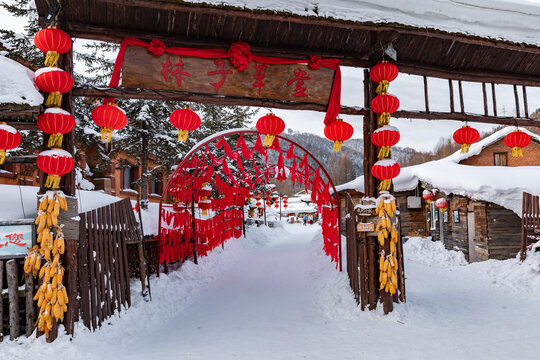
point(44, 261)
point(388, 265)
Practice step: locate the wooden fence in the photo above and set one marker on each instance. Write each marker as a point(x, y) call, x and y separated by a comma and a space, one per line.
point(363, 261)
point(103, 261)
point(530, 223)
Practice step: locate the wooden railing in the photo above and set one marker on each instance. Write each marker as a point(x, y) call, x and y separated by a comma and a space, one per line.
point(530, 223)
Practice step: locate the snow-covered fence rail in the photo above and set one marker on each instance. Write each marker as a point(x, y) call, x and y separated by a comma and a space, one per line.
point(530, 222)
point(103, 261)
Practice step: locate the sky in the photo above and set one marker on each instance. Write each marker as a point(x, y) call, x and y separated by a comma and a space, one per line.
point(418, 134)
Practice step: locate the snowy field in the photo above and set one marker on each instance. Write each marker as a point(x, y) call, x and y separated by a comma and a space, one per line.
point(275, 295)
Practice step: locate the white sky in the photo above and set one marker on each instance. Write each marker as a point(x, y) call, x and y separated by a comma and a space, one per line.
point(418, 134)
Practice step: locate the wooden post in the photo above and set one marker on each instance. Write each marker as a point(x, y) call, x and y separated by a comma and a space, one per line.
point(372, 272)
point(516, 98)
point(451, 90)
point(29, 302)
point(426, 96)
point(13, 295)
point(461, 102)
point(484, 96)
point(1, 301)
point(525, 104)
point(494, 98)
point(243, 223)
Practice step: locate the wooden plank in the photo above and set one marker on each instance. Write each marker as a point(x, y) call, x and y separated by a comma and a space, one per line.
point(116, 255)
point(426, 96)
point(13, 294)
point(105, 262)
point(516, 98)
point(125, 208)
point(484, 97)
point(1, 301)
point(123, 277)
point(109, 260)
point(29, 303)
point(494, 98)
point(71, 285)
point(525, 102)
point(461, 101)
point(289, 82)
point(451, 91)
point(98, 270)
point(84, 281)
point(92, 267)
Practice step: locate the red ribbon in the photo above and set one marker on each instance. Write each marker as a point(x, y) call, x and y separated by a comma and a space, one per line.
point(240, 55)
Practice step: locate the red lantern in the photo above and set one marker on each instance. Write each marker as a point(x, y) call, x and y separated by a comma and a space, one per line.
point(109, 117)
point(383, 73)
point(205, 190)
point(385, 137)
point(385, 170)
point(427, 195)
point(185, 120)
point(53, 42)
point(441, 203)
point(339, 131)
point(205, 205)
point(55, 122)
point(285, 205)
point(54, 81)
point(179, 206)
point(384, 105)
point(465, 136)
point(517, 140)
point(270, 125)
point(55, 163)
point(10, 138)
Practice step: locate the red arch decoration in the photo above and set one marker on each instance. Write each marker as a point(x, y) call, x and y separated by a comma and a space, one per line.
point(181, 233)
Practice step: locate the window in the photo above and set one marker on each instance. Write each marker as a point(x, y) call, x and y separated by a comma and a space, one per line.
point(500, 159)
point(434, 216)
point(155, 187)
point(128, 176)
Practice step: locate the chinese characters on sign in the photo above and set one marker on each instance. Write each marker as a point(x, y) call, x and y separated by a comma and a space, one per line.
point(285, 82)
point(15, 239)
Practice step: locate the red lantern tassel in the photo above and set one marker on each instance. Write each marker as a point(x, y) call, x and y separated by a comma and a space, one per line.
point(55, 140)
point(337, 146)
point(384, 152)
point(382, 88)
point(385, 185)
point(384, 119)
point(2, 156)
point(53, 181)
point(54, 99)
point(51, 58)
point(465, 148)
point(106, 134)
point(269, 140)
point(516, 152)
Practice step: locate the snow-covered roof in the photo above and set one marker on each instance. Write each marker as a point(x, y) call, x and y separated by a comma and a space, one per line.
point(17, 84)
point(511, 20)
point(501, 185)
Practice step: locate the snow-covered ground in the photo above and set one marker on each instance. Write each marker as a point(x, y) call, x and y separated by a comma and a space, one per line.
point(275, 295)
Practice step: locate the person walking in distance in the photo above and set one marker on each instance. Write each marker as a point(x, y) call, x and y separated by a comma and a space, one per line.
point(305, 220)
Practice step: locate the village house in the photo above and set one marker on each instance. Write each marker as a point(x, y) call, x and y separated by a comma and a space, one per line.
point(484, 189)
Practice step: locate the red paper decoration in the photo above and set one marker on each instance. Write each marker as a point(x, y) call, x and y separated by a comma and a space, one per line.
point(384, 138)
point(185, 120)
point(384, 105)
point(55, 122)
point(54, 81)
point(465, 136)
point(55, 163)
point(428, 196)
point(53, 42)
point(441, 203)
point(385, 170)
point(339, 131)
point(270, 125)
point(109, 117)
point(10, 138)
point(517, 140)
point(383, 73)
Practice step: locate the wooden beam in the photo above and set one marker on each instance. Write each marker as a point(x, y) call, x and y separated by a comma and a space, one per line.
point(516, 98)
point(92, 32)
point(525, 103)
point(283, 16)
point(484, 96)
point(219, 100)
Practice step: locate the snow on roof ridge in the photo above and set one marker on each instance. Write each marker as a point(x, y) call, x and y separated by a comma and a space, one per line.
point(17, 84)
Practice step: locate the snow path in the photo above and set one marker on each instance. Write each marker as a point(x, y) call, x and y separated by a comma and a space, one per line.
point(275, 295)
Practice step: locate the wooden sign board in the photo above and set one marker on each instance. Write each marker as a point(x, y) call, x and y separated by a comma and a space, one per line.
point(291, 82)
point(16, 237)
point(365, 227)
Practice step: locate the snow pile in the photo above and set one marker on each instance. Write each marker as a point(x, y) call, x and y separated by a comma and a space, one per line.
point(431, 253)
point(17, 85)
point(513, 20)
point(501, 185)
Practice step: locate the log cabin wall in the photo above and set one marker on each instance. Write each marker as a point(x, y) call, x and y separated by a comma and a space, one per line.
point(459, 239)
point(481, 247)
point(413, 222)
